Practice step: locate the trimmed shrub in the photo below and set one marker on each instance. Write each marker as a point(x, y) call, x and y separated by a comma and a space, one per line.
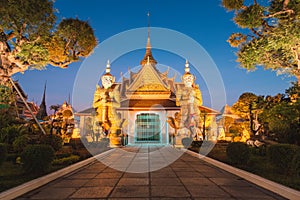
point(37, 158)
point(20, 143)
point(196, 144)
point(285, 157)
point(11, 157)
point(55, 141)
point(66, 161)
point(62, 155)
point(238, 153)
point(3, 153)
point(186, 142)
point(76, 143)
point(259, 151)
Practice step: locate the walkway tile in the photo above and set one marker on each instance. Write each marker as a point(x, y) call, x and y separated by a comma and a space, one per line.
point(191, 174)
point(109, 175)
point(92, 192)
point(53, 193)
point(165, 181)
point(130, 198)
point(130, 191)
point(169, 191)
point(208, 191)
point(196, 181)
point(136, 175)
point(69, 183)
point(163, 174)
point(186, 178)
point(230, 182)
point(246, 192)
point(111, 182)
point(82, 176)
point(171, 198)
point(133, 181)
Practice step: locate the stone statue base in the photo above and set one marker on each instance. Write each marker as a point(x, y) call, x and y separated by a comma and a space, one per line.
point(178, 143)
point(115, 141)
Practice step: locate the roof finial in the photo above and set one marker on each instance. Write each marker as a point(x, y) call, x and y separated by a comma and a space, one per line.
point(148, 14)
point(148, 47)
point(148, 60)
point(187, 66)
point(107, 67)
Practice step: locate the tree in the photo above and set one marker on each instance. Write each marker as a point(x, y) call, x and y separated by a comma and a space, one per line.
point(283, 116)
point(283, 121)
point(30, 38)
point(55, 108)
point(273, 36)
point(249, 106)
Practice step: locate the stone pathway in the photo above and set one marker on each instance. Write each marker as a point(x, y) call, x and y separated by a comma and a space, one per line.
point(186, 178)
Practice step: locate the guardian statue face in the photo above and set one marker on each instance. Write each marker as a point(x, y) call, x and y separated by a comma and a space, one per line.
point(188, 80)
point(107, 81)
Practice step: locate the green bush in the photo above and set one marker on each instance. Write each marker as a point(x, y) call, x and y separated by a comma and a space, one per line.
point(11, 157)
point(3, 153)
point(10, 133)
point(259, 151)
point(66, 161)
point(196, 144)
point(285, 157)
point(62, 155)
point(77, 143)
point(55, 141)
point(37, 158)
point(238, 153)
point(20, 143)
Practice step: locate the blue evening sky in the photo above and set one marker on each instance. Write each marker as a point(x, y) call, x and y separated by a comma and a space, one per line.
point(206, 22)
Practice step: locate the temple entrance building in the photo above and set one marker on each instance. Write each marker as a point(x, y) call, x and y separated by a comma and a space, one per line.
point(148, 106)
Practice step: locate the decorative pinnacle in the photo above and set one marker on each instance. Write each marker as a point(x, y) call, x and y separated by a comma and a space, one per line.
point(148, 14)
point(148, 48)
point(148, 60)
point(107, 67)
point(187, 66)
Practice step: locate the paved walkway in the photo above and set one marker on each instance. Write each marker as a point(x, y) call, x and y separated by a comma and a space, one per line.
point(186, 178)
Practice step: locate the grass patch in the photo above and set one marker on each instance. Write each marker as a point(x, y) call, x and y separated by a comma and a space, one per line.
point(12, 175)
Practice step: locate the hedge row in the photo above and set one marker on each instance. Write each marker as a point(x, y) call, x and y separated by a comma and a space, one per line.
point(66, 161)
point(3, 152)
point(37, 158)
point(285, 157)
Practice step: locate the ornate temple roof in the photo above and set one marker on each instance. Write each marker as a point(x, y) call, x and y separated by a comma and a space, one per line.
point(148, 55)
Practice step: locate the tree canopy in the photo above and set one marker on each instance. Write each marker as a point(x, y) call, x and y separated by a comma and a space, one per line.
point(277, 115)
point(272, 35)
point(31, 37)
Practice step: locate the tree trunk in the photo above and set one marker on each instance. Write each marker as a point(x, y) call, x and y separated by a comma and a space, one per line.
point(285, 3)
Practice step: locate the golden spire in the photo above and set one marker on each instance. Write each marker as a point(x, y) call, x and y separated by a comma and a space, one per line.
point(148, 48)
point(187, 67)
point(107, 70)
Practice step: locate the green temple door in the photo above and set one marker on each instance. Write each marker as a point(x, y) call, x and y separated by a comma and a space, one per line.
point(147, 128)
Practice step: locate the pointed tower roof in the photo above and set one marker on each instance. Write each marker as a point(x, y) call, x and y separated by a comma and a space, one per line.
point(148, 55)
point(42, 113)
